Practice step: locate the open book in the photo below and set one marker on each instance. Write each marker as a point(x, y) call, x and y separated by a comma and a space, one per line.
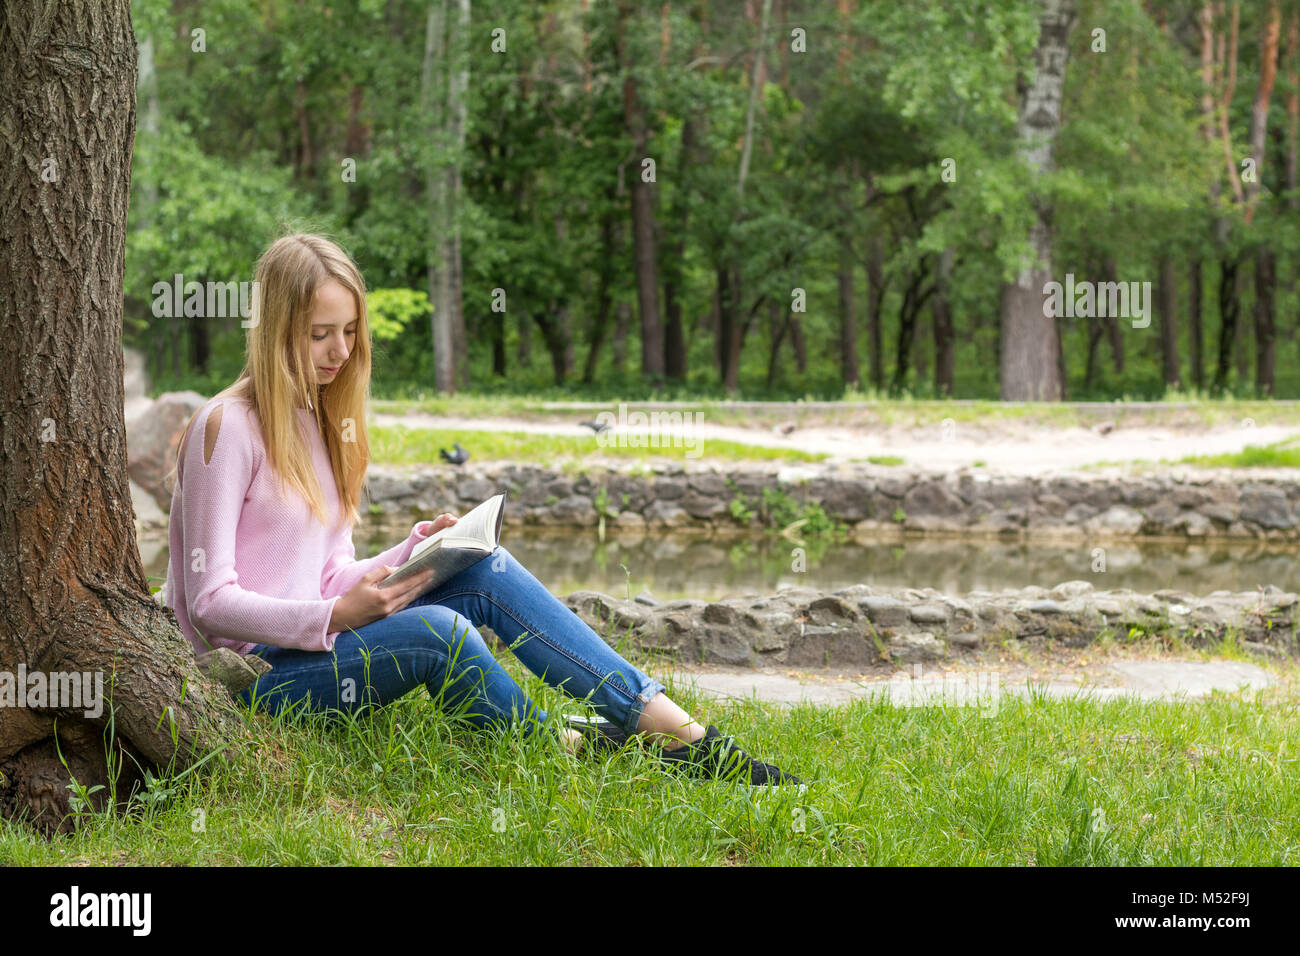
point(450, 551)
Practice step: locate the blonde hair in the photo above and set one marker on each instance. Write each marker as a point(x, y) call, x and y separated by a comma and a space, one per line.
point(289, 274)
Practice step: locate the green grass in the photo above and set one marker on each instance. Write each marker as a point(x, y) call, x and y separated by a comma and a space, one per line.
point(868, 409)
point(399, 445)
point(1282, 454)
point(1040, 782)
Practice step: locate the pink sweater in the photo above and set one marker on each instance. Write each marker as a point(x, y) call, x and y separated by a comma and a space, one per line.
point(246, 567)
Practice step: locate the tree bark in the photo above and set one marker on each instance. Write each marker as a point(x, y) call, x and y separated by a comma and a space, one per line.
point(1030, 347)
point(76, 596)
point(875, 304)
point(457, 94)
point(674, 332)
point(944, 354)
point(1265, 320)
point(1168, 322)
point(1195, 333)
point(847, 314)
point(1229, 309)
point(643, 218)
point(433, 99)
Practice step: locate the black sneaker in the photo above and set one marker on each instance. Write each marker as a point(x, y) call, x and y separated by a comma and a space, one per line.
point(715, 755)
point(599, 735)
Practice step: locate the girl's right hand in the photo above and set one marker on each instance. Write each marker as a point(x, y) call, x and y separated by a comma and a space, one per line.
point(367, 602)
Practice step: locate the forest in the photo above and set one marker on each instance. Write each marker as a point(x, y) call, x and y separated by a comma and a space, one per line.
point(767, 199)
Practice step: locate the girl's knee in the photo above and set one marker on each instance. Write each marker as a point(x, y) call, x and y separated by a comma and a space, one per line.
point(450, 631)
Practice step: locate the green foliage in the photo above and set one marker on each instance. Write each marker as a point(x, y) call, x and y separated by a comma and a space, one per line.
point(391, 311)
point(848, 154)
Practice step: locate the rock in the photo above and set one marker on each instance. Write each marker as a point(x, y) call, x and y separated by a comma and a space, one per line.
point(645, 597)
point(1266, 507)
point(1044, 607)
point(1070, 589)
point(665, 514)
point(932, 498)
point(832, 608)
point(929, 614)
point(818, 646)
point(915, 648)
point(1117, 520)
point(231, 670)
point(884, 611)
point(720, 645)
point(152, 441)
point(1193, 524)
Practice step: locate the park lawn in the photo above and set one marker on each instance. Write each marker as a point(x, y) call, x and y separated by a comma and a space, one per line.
point(1282, 454)
point(1177, 409)
point(1038, 782)
point(399, 445)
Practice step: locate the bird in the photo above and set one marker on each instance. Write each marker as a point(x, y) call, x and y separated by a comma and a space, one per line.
point(785, 428)
point(459, 457)
point(595, 426)
point(1105, 428)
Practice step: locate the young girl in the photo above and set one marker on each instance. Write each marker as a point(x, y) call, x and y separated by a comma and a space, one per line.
point(268, 484)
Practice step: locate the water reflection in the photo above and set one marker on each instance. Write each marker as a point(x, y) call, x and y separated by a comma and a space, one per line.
point(691, 565)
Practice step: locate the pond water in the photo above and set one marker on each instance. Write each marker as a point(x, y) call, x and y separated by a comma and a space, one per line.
point(711, 567)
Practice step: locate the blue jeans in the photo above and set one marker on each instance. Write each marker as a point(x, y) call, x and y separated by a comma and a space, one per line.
point(434, 642)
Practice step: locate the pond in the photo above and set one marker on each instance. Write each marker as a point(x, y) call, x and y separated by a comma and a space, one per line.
point(680, 565)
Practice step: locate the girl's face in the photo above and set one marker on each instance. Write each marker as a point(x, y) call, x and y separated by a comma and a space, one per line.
point(333, 330)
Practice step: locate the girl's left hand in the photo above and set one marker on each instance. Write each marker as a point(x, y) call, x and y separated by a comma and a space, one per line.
point(444, 520)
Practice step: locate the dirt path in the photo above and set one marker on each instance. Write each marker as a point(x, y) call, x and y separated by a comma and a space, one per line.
point(1007, 446)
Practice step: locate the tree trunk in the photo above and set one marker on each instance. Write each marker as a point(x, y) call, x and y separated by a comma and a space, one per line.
point(1030, 347)
point(1168, 322)
point(643, 218)
point(442, 324)
point(944, 353)
point(610, 230)
point(1194, 324)
point(848, 317)
point(875, 305)
point(728, 347)
point(1229, 309)
point(1265, 320)
point(1268, 43)
point(778, 323)
point(457, 94)
point(76, 596)
point(674, 333)
point(622, 325)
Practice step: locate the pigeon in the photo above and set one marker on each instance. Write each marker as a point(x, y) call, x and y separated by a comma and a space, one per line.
point(595, 426)
point(785, 428)
point(1105, 428)
point(459, 457)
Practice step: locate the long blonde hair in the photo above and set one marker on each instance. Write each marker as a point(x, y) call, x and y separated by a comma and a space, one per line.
point(289, 274)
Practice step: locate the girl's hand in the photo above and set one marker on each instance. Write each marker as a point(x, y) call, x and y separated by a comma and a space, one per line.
point(443, 520)
point(367, 601)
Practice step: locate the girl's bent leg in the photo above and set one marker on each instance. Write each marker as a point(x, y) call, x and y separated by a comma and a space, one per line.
point(546, 635)
point(378, 663)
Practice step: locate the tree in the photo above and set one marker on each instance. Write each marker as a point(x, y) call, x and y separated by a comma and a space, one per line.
point(1030, 346)
point(76, 596)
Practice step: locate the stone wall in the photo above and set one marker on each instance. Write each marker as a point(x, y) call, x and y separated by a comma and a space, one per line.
point(860, 627)
point(869, 499)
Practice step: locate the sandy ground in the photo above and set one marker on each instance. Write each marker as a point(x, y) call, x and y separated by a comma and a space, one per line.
point(1063, 673)
point(1009, 447)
